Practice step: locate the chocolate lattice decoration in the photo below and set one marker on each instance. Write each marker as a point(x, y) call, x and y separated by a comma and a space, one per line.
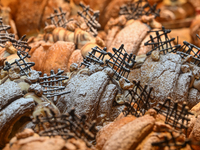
point(53, 85)
point(140, 100)
point(164, 46)
point(177, 115)
point(25, 67)
point(172, 143)
point(121, 62)
point(3, 27)
point(135, 10)
point(20, 45)
point(96, 57)
point(58, 18)
point(90, 17)
point(67, 126)
point(189, 49)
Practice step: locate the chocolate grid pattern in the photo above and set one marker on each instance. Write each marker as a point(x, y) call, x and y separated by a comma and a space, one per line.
point(189, 49)
point(177, 115)
point(20, 44)
point(90, 17)
point(3, 28)
point(58, 18)
point(121, 62)
point(53, 85)
point(67, 126)
point(134, 10)
point(158, 44)
point(140, 97)
point(171, 142)
point(25, 67)
point(96, 57)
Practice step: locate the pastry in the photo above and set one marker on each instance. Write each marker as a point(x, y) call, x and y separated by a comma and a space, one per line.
point(176, 14)
point(150, 72)
point(48, 59)
point(156, 134)
point(30, 140)
point(29, 20)
point(112, 10)
point(129, 135)
point(91, 94)
point(41, 92)
point(194, 30)
point(131, 28)
point(131, 43)
point(15, 110)
point(75, 34)
point(107, 131)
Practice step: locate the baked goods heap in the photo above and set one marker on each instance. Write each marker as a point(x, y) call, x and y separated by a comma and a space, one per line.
point(129, 113)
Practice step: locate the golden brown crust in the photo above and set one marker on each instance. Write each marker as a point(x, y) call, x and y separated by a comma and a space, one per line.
point(131, 134)
point(86, 2)
point(40, 52)
point(82, 37)
point(52, 56)
point(87, 48)
point(99, 5)
point(58, 56)
point(49, 9)
point(196, 109)
point(112, 10)
point(2, 51)
point(146, 144)
point(107, 131)
point(75, 57)
point(195, 134)
point(145, 49)
point(28, 18)
point(26, 133)
point(111, 35)
point(131, 36)
point(32, 141)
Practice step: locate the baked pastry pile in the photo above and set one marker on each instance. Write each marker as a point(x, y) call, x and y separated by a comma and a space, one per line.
point(109, 61)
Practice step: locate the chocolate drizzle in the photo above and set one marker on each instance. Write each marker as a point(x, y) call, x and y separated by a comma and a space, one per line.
point(172, 142)
point(120, 62)
point(20, 45)
point(53, 85)
point(58, 18)
point(135, 10)
point(177, 115)
point(140, 100)
point(3, 28)
point(189, 49)
point(25, 67)
point(157, 43)
point(96, 57)
point(90, 17)
point(68, 125)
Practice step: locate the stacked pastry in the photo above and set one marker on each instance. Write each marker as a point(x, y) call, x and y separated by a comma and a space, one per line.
point(97, 91)
point(30, 140)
